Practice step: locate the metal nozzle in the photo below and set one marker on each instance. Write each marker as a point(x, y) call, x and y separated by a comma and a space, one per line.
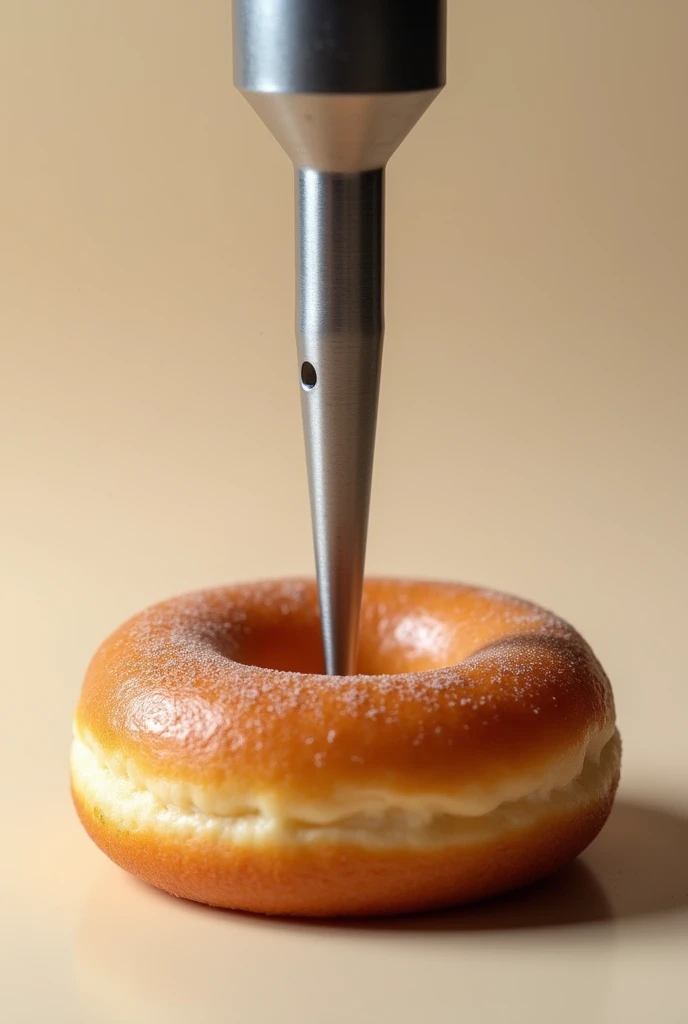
point(340, 83)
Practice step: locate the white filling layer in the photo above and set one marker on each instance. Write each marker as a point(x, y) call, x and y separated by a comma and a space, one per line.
point(369, 818)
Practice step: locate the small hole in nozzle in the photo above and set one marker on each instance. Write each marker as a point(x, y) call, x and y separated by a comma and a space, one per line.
point(308, 376)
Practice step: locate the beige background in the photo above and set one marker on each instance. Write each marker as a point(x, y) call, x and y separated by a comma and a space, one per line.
point(533, 436)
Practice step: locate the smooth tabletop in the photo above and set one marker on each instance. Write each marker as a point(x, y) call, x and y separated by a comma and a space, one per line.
point(533, 437)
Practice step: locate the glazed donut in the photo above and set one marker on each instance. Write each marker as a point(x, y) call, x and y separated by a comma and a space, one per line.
point(475, 751)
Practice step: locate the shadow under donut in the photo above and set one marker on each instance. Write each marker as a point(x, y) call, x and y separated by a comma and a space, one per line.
point(134, 943)
point(637, 866)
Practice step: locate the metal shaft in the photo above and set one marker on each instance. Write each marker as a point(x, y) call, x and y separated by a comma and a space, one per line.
point(339, 328)
point(339, 83)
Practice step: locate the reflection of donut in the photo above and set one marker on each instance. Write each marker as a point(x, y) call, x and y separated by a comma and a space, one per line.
point(410, 785)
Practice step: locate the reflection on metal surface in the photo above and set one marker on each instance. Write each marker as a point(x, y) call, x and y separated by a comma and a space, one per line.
point(340, 85)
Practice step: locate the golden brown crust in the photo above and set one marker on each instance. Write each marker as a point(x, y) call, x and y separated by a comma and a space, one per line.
point(174, 690)
point(324, 881)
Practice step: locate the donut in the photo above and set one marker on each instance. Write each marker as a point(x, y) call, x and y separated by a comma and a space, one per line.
point(474, 751)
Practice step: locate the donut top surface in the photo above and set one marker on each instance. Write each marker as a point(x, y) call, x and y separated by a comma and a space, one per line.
point(459, 689)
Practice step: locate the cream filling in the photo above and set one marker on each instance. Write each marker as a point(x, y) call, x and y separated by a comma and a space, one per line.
point(118, 794)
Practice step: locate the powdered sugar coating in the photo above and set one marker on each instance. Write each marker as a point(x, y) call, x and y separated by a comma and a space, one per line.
point(494, 675)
